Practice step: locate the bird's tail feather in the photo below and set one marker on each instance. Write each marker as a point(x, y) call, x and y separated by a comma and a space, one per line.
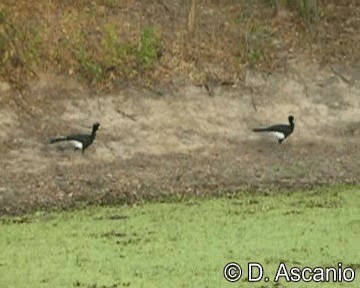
point(57, 139)
point(260, 129)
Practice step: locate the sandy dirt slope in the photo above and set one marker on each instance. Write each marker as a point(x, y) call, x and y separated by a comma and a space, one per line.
point(179, 138)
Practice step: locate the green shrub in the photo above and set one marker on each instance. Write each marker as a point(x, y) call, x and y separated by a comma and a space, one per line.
point(32, 50)
point(149, 46)
point(90, 68)
point(114, 52)
point(256, 38)
point(3, 44)
point(2, 17)
point(110, 45)
point(20, 43)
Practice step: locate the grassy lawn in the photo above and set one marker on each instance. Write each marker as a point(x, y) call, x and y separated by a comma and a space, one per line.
point(183, 244)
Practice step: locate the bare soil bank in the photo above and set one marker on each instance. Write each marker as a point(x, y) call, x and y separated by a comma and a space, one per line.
point(179, 138)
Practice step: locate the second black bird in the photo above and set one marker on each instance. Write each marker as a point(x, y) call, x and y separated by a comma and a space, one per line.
point(80, 141)
point(280, 131)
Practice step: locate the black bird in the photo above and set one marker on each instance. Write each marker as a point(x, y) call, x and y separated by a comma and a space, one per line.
point(280, 131)
point(80, 141)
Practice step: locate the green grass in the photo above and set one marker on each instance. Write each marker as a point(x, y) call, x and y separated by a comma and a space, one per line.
point(184, 244)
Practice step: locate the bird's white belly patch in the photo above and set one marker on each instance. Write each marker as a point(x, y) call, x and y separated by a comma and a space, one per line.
point(77, 144)
point(278, 135)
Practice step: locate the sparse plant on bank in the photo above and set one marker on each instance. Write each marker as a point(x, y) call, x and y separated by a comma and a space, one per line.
point(148, 47)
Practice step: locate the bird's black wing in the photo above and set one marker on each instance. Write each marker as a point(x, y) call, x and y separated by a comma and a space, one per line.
point(78, 137)
point(274, 128)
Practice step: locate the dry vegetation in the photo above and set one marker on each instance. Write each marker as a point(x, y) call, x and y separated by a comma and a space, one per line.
point(108, 42)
